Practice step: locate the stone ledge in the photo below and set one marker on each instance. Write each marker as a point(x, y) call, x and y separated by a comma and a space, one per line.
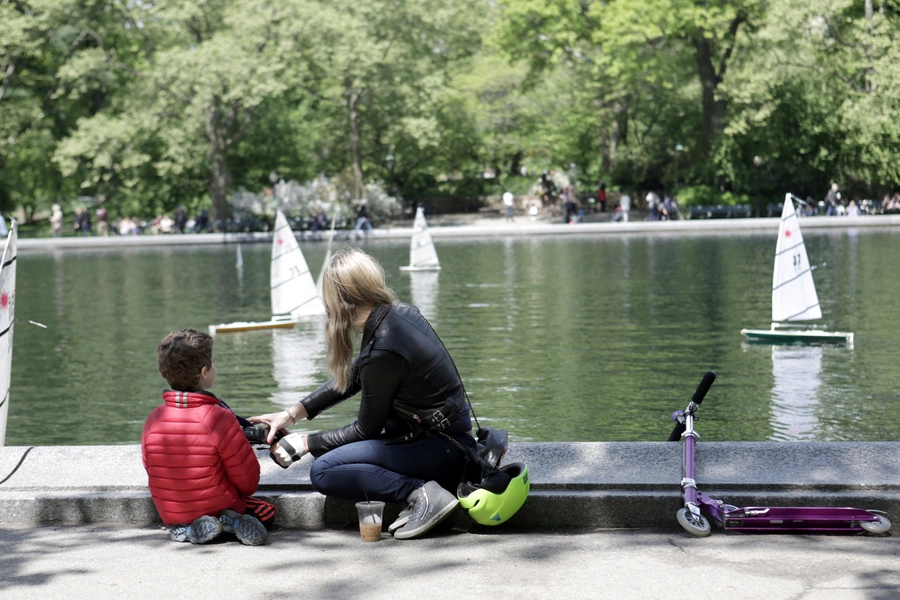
point(486, 227)
point(596, 484)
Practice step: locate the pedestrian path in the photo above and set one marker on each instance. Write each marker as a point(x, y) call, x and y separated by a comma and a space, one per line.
point(120, 563)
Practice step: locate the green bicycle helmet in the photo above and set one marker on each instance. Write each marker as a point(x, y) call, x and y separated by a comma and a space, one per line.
point(498, 497)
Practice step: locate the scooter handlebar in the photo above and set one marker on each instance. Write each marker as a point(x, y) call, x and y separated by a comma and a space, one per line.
point(703, 388)
point(697, 398)
point(676, 432)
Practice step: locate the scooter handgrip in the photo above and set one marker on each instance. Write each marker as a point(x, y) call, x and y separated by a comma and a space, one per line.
point(703, 388)
point(676, 432)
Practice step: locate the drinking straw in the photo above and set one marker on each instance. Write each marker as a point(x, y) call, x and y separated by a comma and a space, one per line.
point(367, 500)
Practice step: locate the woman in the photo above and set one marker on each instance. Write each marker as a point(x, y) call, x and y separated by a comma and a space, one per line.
point(407, 444)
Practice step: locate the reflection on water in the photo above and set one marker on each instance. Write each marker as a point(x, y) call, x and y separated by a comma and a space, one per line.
point(297, 358)
point(795, 398)
point(592, 338)
point(423, 289)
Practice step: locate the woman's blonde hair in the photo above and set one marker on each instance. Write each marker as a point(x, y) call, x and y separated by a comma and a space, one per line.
point(352, 280)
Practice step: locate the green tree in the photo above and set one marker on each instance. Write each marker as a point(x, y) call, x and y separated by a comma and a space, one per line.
point(211, 65)
point(380, 70)
point(816, 97)
point(646, 59)
point(59, 60)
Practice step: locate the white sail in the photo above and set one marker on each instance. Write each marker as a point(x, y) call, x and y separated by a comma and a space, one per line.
point(7, 319)
point(293, 289)
point(240, 258)
point(793, 290)
point(422, 254)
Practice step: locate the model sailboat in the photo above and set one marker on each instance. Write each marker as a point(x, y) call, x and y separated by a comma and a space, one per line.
point(422, 255)
point(7, 319)
point(293, 290)
point(794, 295)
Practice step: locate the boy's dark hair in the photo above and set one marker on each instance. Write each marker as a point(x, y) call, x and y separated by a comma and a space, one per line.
point(181, 356)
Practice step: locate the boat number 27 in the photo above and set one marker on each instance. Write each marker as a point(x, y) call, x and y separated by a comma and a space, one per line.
point(798, 262)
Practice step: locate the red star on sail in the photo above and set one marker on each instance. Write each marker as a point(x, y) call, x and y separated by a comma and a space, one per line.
point(787, 233)
point(4, 300)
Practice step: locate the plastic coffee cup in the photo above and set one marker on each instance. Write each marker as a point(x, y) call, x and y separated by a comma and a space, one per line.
point(370, 514)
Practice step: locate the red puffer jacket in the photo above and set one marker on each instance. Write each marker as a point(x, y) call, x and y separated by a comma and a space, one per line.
point(197, 458)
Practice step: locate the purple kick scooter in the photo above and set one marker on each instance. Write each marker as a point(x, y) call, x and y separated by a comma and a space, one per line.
point(756, 519)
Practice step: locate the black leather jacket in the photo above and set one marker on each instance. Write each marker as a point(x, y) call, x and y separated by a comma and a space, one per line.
point(408, 381)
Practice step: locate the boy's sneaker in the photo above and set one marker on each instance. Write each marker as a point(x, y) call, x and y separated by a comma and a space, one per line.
point(250, 531)
point(179, 533)
point(204, 529)
point(228, 519)
point(429, 505)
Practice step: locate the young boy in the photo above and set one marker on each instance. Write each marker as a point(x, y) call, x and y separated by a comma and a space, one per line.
point(200, 466)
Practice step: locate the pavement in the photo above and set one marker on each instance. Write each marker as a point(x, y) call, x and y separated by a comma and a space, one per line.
point(97, 563)
point(77, 522)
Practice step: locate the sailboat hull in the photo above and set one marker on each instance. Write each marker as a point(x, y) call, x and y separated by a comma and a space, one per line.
point(253, 326)
point(790, 336)
point(423, 268)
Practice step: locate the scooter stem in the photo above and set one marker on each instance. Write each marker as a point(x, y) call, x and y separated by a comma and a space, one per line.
point(688, 484)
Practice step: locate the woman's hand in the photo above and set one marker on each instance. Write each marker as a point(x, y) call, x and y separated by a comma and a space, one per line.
point(278, 421)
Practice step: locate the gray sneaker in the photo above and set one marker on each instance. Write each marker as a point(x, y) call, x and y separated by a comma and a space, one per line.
point(204, 529)
point(248, 529)
point(228, 519)
point(429, 505)
point(402, 519)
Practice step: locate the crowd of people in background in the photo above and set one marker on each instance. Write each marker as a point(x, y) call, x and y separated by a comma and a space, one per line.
point(837, 206)
point(551, 190)
point(82, 222)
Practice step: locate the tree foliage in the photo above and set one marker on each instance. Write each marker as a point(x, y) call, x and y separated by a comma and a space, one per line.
point(149, 105)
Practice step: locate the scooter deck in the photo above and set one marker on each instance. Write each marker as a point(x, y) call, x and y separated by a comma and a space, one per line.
point(812, 519)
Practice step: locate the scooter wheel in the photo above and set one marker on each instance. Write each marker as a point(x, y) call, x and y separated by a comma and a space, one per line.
point(881, 524)
point(693, 524)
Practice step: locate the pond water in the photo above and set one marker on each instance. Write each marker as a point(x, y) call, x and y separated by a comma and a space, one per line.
point(594, 338)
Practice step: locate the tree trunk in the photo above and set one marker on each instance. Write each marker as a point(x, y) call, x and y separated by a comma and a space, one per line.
point(710, 78)
point(516, 164)
point(98, 98)
point(352, 98)
point(220, 179)
point(618, 134)
point(870, 72)
point(713, 110)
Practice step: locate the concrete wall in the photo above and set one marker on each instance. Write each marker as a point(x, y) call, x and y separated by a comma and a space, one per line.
point(602, 485)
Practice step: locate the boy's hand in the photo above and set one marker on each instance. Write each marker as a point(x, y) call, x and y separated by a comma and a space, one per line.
point(288, 450)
